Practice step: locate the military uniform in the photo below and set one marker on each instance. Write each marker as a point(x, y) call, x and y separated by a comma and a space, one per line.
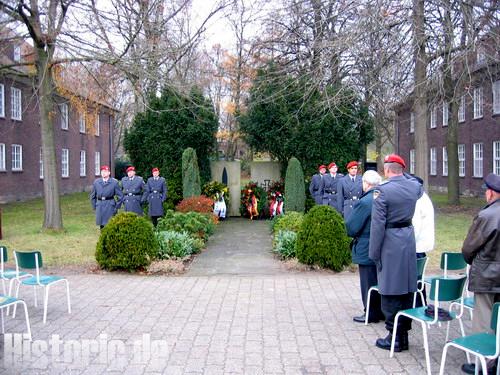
point(392, 248)
point(102, 198)
point(348, 193)
point(328, 189)
point(134, 194)
point(314, 187)
point(156, 188)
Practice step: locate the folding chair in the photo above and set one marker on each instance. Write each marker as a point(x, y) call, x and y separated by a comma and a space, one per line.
point(5, 303)
point(442, 290)
point(482, 345)
point(33, 260)
point(450, 261)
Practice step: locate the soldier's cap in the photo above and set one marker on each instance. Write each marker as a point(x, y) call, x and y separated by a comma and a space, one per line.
point(155, 170)
point(492, 181)
point(352, 164)
point(332, 164)
point(105, 168)
point(322, 166)
point(131, 168)
point(393, 158)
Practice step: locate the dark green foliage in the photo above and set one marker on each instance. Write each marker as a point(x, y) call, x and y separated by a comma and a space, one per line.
point(286, 241)
point(120, 167)
point(127, 242)
point(295, 195)
point(196, 224)
point(159, 135)
point(289, 221)
point(190, 174)
point(322, 239)
point(289, 117)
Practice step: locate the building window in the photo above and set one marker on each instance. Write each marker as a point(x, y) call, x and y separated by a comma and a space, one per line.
point(41, 163)
point(81, 122)
point(97, 125)
point(97, 163)
point(478, 160)
point(412, 122)
point(496, 157)
point(496, 97)
point(17, 157)
point(461, 160)
point(2, 156)
point(83, 165)
point(15, 104)
point(17, 53)
point(446, 109)
point(433, 160)
point(433, 117)
point(412, 161)
point(445, 161)
point(2, 101)
point(63, 108)
point(461, 109)
point(478, 102)
point(65, 162)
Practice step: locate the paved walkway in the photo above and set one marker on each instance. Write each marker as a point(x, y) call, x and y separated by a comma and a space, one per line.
point(255, 323)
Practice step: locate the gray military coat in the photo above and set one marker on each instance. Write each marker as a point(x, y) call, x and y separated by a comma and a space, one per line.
point(328, 189)
point(157, 193)
point(134, 194)
point(102, 198)
point(392, 248)
point(314, 187)
point(348, 194)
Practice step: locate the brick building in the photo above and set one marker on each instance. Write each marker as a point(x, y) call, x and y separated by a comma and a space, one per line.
point(83, 136)
point(478, 132)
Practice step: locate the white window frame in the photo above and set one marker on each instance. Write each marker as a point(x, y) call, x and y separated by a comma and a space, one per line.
point(97, 163)
point(445, 161)
point(477, 154)
point(478, 102)
point(412, 122)
point(496, 157)
point(2, 100)
point(412, 161)
point(461, 109)
point(63, 109)
point(2, 157)
point(446, 112)
point(17, 157)
point(433, 121)
point(41, 163)
point(81, 123)
point(496, 97)
point(98, 125)
point(83, 163)
point(65, 163)
point(461, 160)
point(433, 161)
point(17, 53)
point(16, 109)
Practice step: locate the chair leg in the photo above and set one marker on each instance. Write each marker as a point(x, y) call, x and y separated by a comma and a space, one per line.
point(36, 299)
point(462, 330)
point(394, 332)
point(483, 365)
point(443, 360)
point(67, 294)
point(426, 348)
point(11, 282)
point(3, 323)
point(414, 299)
point(367, 312)
point(447, 331)
point(45, 303)
point(422, 297)
point(17, 296)
point(28, 326)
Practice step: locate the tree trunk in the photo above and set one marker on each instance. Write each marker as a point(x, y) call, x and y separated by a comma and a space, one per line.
point(53, 216)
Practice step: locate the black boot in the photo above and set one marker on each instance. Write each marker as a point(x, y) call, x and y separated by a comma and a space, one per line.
point(385, 343)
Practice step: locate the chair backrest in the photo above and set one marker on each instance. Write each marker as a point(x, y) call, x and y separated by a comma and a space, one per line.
point(4, 257)
point(446, 290)
point(421, 264)
point(452, 262)
point(29, 259)
point(494, 317)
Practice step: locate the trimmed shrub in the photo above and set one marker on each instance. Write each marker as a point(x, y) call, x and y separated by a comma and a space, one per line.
point(289, 221)
point(285, 243)
point(199, 203)
point(196, 224)
point(190, 174)
point(127, 242)
point(174, 244)
point(295, 195)
point(322, 239)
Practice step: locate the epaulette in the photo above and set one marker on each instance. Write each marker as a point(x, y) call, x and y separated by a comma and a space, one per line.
point(384, 182)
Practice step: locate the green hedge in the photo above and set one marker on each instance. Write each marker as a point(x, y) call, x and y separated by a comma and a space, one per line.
point(196, 224)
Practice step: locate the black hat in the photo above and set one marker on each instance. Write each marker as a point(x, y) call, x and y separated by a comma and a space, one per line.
point(492, 181)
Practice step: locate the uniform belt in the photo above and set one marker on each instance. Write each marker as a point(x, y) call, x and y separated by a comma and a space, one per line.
point(133, 194)
point(330, 191)
point(354, 198)
point(401, 224)
point(106, 198)
point(155, 191)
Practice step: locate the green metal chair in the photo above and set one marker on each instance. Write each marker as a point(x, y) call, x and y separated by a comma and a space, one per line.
point(5, 303)
point(33, 260)
point(468, 298)
point(450, 261)
point(8, 274)
point(442, 290)
point(482, 345)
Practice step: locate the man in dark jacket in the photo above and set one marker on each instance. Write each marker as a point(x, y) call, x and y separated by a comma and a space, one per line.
point(358, 227)
point(481, 249)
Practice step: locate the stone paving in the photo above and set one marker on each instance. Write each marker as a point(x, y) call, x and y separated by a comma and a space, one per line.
point(253, 323)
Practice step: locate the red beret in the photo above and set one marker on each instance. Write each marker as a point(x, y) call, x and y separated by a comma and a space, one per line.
point(322, 166)
point(352, 164)
point(155, 170)
point(130, 169)
point(332, 164)
point(105, 168)
point(393, 158)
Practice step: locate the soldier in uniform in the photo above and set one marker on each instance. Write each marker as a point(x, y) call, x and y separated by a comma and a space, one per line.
point(102, 197)
point(315, 184)
point(156, 188)
point(349, 189)
point(134, 192)
point(328, 186)
point(392, 247)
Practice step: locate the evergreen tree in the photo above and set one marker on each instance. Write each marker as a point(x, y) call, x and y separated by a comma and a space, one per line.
point(295, 196)
point(190, 174)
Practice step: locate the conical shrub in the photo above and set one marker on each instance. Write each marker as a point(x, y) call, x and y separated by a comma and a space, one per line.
point(190, 174)
point(295, 195)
